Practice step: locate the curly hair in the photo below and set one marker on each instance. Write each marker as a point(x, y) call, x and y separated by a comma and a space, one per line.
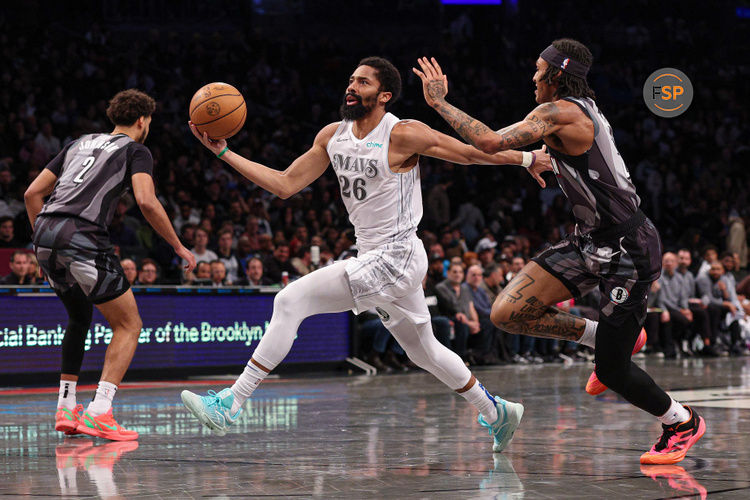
point(129, 105)
point(567, 84)
point(388, 76)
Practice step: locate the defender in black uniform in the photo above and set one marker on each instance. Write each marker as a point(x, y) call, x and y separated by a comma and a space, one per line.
point(85, 182)
point(615, 246)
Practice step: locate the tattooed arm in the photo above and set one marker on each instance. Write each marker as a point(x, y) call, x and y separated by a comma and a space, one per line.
point(542, 121)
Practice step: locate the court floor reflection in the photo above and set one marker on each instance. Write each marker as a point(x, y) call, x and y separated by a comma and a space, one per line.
point(394, 436)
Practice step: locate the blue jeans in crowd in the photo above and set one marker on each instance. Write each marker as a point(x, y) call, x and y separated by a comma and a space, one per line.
point(521, 344)
point(441, 327)
point(380, 336)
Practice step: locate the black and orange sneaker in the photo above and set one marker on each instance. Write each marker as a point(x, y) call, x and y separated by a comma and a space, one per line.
point(675, 441)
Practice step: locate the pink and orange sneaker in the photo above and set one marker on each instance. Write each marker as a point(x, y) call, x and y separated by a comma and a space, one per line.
point(594, 386)
point(104, 426)
point(105, 455)
point(67, 452)
point(67, 420)
point(675, 441)
point(677, 478)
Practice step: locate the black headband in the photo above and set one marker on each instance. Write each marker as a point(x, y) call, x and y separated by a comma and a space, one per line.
point(559, 60)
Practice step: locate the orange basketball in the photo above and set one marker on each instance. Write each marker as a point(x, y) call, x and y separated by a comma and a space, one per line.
point(218, 109)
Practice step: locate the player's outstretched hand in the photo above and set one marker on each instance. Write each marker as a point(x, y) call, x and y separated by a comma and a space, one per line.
point(214, 146)
point(188, 256)
point(434, 82)
point(543, 163)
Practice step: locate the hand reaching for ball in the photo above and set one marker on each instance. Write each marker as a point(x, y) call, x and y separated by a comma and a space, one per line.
point(216, 146)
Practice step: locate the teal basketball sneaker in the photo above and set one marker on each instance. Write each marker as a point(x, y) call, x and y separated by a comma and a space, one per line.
point(508, 417)
point(214, 410)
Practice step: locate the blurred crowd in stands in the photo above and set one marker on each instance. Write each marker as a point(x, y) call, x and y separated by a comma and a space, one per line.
point(481, 224)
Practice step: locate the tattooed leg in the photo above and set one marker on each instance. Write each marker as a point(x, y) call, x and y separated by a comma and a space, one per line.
point(551, 324)
point(524, 307)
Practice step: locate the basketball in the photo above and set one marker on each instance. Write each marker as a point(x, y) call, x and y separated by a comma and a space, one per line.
point(218, 109)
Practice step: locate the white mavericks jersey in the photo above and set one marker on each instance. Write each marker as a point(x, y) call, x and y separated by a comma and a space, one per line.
point(384, 207)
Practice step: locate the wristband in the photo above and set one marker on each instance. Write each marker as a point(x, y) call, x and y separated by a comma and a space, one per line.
point(529, 158)
point(226, 148)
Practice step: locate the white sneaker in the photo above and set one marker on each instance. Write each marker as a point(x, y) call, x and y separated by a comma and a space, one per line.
point(509, 416)
point(214, 410)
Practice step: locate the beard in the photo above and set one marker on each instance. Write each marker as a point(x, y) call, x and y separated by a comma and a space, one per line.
point(353, 112)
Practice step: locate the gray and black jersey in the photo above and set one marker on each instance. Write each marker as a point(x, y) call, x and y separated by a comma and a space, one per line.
point(93, 172)
point(597, 183)
point(71, 239)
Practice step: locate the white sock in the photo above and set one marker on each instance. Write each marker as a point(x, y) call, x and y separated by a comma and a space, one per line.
point(482, 401)
point(66, 398)
point(589, 334)
point(102, 402)
point(675, 415)
point(243, 388)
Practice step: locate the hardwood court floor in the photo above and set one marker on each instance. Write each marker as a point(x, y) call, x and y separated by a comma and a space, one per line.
point(391, 436)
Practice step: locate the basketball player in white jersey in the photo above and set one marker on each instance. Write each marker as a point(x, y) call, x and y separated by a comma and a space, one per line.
point(375, 156)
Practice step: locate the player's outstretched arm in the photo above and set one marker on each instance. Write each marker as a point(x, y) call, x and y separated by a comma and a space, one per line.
point(415, 137)
point(542, 121)
point(300, 174)
point(153, 211)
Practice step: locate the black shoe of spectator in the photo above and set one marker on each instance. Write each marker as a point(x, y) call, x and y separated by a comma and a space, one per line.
point(737, 350)
point(469, 359)
point(710, 351)
point(411, 365)
point(491, 359)
point(391, 360)
point(373, 359)
point(670, 355)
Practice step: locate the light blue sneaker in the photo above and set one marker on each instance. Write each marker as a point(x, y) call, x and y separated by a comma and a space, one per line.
point(508, 417)
point(214, 410)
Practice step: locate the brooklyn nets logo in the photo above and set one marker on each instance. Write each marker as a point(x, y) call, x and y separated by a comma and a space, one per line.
point(618, 295)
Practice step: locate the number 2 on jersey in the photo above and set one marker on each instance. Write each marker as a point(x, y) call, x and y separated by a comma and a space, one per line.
point(87, 164)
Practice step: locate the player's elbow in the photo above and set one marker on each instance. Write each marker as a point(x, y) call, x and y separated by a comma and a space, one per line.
point(285, 194)
point(146, 204)
point(286, 185)
point(31, 194)
point(285, 190)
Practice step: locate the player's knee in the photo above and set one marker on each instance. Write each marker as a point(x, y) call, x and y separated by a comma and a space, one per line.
point(79, 319)
point(500, 315)
point(135, 325)
point(284, 303)
point(423, 357)
point(77, 326)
